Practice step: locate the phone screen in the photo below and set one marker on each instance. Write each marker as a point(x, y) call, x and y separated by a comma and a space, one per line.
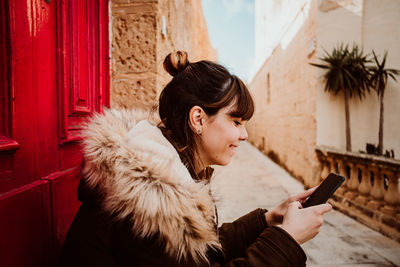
point(325, 190)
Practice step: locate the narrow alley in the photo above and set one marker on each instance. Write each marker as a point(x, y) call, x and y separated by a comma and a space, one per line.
point(252, 180)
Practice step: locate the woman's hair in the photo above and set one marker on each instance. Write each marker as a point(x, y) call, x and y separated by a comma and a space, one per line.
point(205, 84)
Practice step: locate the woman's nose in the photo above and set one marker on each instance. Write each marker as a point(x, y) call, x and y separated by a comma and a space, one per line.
point(243, 134)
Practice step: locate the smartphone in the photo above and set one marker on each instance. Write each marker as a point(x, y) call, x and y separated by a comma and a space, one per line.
point(325, 190)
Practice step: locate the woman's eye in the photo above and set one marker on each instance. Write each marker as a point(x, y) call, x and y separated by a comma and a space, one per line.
point(238, 123)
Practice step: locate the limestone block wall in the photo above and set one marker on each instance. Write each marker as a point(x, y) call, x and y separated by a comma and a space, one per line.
point(284, 88)
point(372, 25)
point(185, 29)
point(274, 22)
point(294, 115)
point(381, 31)
point(143, 32)
point(330, 108)
point(133, 54)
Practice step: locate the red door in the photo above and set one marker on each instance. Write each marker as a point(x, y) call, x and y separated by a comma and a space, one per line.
point(54, 74)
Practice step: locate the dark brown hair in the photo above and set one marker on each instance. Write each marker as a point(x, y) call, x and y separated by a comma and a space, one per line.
point(205, 84)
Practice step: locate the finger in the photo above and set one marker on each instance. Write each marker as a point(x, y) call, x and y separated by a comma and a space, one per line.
point(295, 204)
point(323, 208)
point(305, 194)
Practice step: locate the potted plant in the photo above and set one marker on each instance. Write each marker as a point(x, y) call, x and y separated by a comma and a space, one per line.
point(346, 72)
point(378, 80)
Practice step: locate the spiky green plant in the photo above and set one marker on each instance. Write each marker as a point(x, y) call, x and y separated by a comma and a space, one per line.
point(378, 78)
point(346, 72)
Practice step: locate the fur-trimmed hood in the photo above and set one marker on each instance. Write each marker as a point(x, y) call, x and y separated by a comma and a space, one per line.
point(143, 181)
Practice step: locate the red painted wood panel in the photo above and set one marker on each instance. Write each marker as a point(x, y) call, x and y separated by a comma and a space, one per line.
point(54, 69)
point(82, 58)
point(45, 73)
point(24, 226)
point(5, 131)
point(63, 188)
point(18, 166)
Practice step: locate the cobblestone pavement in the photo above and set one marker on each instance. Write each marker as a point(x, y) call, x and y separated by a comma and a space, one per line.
point(252, 180)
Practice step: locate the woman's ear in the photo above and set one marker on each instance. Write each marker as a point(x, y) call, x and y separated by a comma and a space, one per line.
point(196, 119)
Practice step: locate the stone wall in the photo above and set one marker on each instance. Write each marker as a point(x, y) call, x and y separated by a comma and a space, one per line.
point(143, 32)
point(372, 25)
point(185, 29)
point(284, 125)
point(294, 114)
point(295, 117)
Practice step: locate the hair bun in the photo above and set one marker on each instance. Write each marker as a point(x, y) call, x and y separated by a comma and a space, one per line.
point(176, 62)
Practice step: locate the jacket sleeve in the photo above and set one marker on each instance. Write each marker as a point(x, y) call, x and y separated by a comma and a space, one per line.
point(249, 242)
point(237, 236)
point(274, 247)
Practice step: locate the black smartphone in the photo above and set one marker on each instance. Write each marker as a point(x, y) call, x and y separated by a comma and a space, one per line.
point(325, 190)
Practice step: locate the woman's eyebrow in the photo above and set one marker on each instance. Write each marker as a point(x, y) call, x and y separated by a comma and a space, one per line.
point(233, 116)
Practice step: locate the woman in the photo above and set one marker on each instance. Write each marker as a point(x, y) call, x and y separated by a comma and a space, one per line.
point(145, 190)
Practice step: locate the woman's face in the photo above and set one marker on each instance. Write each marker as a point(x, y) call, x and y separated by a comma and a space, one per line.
point(221, 134)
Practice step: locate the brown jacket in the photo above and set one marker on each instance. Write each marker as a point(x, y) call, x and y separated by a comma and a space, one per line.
point(140, 207)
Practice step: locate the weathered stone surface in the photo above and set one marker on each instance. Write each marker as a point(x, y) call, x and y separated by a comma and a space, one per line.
point(133, 42)
point(330, 5)
point(133, 91)
point(185, 29)
point(372, 25)
point(143, 33)
point(284, 124)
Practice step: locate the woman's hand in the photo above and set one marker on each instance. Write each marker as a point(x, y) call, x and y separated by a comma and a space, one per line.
point(275, 216)
point(304, 224)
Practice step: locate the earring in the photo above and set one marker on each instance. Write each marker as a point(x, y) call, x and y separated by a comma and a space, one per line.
point(199, 131)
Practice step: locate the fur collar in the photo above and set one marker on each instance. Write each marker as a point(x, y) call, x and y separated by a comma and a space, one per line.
point(144, 181)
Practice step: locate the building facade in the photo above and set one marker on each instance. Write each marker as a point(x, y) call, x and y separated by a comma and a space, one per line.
point(294, 114)
point(302, 127)
point(60, 61)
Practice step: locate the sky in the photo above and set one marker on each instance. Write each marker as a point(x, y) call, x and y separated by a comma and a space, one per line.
point(230, 25)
